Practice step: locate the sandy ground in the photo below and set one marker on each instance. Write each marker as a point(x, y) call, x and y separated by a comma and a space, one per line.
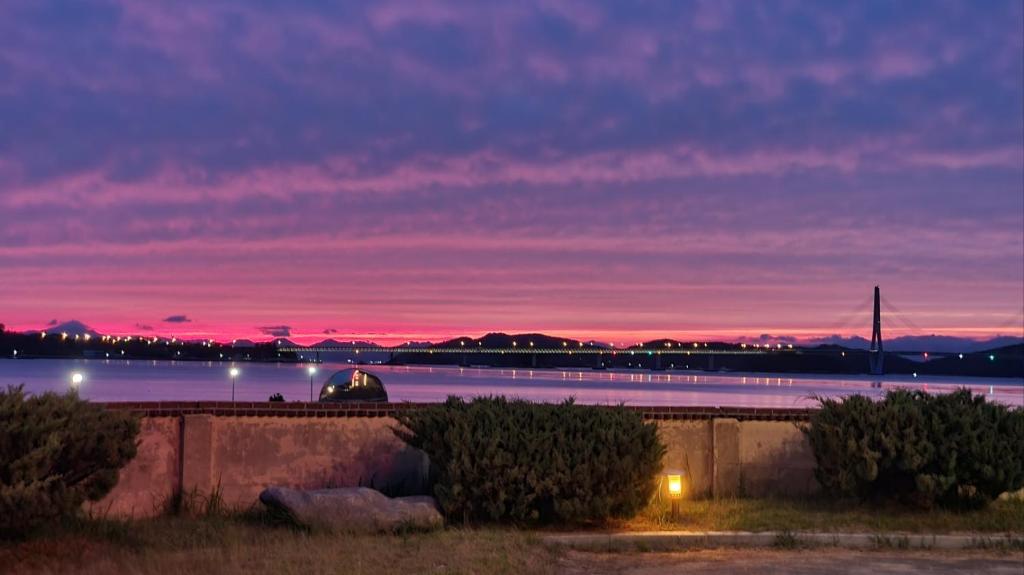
point(802, 562)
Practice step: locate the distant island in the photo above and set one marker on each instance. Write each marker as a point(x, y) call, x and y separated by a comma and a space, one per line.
point(75, 340)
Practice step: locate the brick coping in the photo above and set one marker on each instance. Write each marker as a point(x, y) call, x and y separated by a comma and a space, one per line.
point(377, 409)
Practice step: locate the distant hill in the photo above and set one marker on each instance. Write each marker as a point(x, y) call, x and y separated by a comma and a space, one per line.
point(72, 328)
point(937, 343)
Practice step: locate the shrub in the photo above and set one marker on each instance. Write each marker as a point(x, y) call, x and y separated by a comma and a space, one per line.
point(954, 450)
point(510, 460)
point(57, 451)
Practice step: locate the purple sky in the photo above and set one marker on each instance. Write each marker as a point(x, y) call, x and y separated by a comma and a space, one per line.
point(416, 169)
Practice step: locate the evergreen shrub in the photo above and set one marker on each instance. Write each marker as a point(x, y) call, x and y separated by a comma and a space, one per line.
point(56, 452)
point(954, 450)
point(495, 459)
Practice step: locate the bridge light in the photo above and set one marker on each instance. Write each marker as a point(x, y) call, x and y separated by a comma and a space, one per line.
point(531, 344)
point(564, 344)
point(743, 346)
point(514, 344)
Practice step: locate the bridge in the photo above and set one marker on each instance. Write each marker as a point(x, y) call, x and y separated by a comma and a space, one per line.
point(669, 349)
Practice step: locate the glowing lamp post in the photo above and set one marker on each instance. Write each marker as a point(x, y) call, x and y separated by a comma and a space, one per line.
point(234, 375)
point(674, 479)
point(311, 370)
point(76, 380)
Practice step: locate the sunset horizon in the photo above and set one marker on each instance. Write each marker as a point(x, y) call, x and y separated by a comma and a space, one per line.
point(413, 170)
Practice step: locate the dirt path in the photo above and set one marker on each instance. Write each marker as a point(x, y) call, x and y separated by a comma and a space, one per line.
point(803, 562)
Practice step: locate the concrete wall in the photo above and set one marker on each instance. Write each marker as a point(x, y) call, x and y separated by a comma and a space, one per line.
point(147, 483)
point(239, 455)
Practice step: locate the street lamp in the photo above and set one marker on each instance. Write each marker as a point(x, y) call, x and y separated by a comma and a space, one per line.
point(76, 380)
point(311, 370)
point(234, 375)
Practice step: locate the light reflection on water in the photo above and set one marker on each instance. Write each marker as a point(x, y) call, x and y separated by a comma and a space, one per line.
point(150, 380)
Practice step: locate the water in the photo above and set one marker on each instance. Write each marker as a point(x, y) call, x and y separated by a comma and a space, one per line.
point(145, 380)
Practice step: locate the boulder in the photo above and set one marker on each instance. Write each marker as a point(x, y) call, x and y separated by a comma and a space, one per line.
point(354, 509)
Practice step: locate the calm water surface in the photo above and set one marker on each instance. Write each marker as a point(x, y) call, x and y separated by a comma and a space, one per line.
point(140, 380)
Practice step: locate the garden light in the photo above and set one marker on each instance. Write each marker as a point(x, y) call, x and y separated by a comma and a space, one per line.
point(76, 379)
point(675, 486)
point(674, 479)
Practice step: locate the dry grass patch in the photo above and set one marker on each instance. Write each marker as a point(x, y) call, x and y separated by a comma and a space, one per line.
point(237, 545)
point(1003, 516)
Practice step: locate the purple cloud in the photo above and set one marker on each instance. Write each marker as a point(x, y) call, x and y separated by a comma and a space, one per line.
point(177, 319)
point(712, 148)
point(276, 330)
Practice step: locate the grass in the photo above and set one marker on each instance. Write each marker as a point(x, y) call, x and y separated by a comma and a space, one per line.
point(1003, 516)
point(256, 543)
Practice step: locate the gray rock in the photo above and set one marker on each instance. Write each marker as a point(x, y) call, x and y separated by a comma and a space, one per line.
point(354, 509)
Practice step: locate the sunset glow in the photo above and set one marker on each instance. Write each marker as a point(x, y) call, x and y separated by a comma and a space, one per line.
point(410, 170)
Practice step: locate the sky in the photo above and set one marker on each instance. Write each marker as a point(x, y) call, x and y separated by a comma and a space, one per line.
point(417, 169)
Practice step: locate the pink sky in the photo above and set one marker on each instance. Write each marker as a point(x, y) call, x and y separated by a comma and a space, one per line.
point(399, 169)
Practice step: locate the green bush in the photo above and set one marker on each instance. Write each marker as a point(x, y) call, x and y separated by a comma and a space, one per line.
point(57, 451)
point(509, 460)
point(954, 450)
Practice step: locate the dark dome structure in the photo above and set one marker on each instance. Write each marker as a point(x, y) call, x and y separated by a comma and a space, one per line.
point(353, 385)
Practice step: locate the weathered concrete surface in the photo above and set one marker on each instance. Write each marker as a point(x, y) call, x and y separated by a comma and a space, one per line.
point(196, 455)
point(354, 509)
point(241, 456)
point(726, 449)
point(688, 447)
point(148, 482)
point(251, 453)
point(775, 459)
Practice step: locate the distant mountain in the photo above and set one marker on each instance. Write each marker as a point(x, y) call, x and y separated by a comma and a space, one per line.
point(72, 328)
point(331, 342)
point(937, 343)
point(416, 344)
